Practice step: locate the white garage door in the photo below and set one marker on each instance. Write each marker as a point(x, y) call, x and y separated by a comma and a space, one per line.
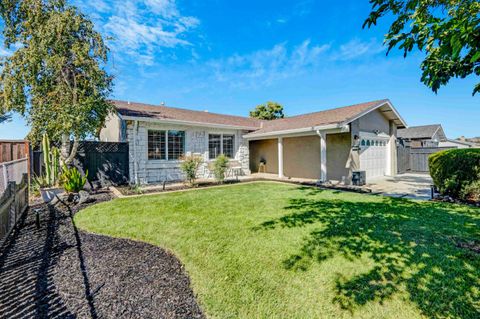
point(373, 156)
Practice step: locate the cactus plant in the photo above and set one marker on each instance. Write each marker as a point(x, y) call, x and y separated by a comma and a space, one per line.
point(46, 158)
point(51, 159)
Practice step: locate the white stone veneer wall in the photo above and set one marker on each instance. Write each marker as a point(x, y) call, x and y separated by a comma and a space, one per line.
point(196, 142)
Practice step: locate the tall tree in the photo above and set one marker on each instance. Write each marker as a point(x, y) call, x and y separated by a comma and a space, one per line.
point(447, 30)
point(56, 77)
point(4, 117)
point(268, 111)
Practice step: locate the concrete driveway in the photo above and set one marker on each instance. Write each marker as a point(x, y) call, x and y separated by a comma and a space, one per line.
point(409, 185)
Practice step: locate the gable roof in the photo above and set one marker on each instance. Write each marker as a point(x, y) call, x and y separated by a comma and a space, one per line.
point(422, 132)
point(337, 117)
point(130, 110)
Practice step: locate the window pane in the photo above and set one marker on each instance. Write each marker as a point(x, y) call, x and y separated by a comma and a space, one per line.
point(228, 146)
point(156, 145)
point(214, 149)
point(176, 141)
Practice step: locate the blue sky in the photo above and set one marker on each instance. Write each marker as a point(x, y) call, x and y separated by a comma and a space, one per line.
point(229, 56)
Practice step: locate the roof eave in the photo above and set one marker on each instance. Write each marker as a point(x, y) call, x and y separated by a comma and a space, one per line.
point(191, 123)
point(293, 131)
point(380, 104)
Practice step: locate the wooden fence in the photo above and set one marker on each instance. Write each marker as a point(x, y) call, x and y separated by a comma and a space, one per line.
point(419, 157)
point(13, 204)
point(11, 150)
point(106, 162)
point(403, 158)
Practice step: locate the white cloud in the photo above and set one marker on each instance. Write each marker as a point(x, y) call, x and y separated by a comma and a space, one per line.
point(141, 28)
point(356, 48)
point(264, 67)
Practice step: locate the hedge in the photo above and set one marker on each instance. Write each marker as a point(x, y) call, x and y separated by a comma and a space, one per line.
point(453, 170)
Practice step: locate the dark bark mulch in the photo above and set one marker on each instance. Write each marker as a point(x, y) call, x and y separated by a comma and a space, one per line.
point(58, 271)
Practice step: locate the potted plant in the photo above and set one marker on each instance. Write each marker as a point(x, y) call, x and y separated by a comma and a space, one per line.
point(49, 182)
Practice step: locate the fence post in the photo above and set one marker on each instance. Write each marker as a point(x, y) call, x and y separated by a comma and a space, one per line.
point(11, 186)
point(5, 175)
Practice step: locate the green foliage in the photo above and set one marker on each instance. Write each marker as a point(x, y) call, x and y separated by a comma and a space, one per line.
point(55, 76)
point(73, 181)
point(220, 167)
point(51, 160)
point(189, 166)
point(268, 111)
point(453, 170)
point(448, 31)
point(471, 192)
point(4, 117)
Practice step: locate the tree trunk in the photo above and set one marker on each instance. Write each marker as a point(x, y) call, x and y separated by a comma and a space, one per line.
point(68, 154)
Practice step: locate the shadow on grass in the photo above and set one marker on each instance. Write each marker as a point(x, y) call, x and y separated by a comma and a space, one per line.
point(413, 245)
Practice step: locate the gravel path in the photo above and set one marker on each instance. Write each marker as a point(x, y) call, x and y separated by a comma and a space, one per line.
point(58, 271)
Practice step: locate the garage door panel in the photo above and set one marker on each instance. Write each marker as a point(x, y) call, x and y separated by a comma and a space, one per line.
point(373, 156)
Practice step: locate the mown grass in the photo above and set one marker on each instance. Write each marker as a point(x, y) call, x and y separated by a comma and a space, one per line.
point(269, 250)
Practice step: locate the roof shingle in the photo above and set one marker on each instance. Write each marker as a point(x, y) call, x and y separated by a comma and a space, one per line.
point(332, 116)
point(419, 132)
point(171, 113)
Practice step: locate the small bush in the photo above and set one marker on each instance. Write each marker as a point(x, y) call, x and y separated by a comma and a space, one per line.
point(220, 167)
point(73, 181)
point(453, 170)
point(190, 165)
point(471, 192)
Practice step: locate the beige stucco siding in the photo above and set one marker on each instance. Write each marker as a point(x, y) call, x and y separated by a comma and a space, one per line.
point(338, 152)
point(301, 157)
point(111, 132)
point(374, 121)
point(266, 150)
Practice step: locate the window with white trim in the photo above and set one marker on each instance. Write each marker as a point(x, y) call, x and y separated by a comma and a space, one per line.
point(221, 144)
point(165, 145)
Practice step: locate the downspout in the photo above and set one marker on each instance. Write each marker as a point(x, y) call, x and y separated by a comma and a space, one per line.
point(135, 163)
point(323, 157)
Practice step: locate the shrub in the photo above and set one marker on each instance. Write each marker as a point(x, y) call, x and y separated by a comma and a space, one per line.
point(189, 166)
point(471, 192)
point(220, 167)
point(73, 181)
point(453, 170)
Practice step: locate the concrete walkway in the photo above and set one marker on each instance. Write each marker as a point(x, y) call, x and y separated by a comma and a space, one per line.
point(409, 185)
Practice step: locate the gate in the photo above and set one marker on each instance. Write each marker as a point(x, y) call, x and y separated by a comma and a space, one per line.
point(419, 157)
point(403, 158)
point(106, 162)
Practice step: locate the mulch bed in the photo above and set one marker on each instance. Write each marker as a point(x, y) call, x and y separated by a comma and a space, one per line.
point(58, 271)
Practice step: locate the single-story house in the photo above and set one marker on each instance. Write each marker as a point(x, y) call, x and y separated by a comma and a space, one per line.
point(423, 136)
point(455, 143)
point(327, 145)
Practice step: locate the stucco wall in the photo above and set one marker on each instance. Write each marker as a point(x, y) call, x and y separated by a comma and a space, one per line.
point(111, 132)
point(338, 153)
point(374, 121)
point(301, 157)
point(196, 142)
point(267, 150)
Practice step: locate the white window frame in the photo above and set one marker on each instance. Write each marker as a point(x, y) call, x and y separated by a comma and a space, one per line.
point(221, 143)
point(166, 145)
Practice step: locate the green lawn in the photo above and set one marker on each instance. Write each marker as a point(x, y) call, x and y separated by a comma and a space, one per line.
point(266, 250)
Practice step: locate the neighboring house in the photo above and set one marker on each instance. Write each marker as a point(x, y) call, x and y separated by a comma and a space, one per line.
point(455, 143)
point(326, 145)
point(423, 136)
